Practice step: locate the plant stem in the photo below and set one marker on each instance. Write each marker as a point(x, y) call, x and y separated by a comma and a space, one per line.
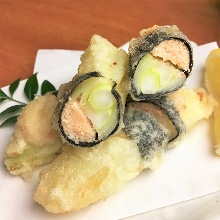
point(17, 101)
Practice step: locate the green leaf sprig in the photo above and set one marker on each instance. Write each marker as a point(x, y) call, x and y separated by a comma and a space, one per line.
point(30, 90)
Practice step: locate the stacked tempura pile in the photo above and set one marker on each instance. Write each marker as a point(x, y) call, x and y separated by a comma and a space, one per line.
point(118, 115)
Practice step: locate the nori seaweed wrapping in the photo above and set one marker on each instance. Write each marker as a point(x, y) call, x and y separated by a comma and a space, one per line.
point(102, 66)
point(151, 136)
point(61, 105)
point(143, 45)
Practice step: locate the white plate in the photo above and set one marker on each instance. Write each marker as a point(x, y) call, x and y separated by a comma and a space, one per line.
point(189, 171)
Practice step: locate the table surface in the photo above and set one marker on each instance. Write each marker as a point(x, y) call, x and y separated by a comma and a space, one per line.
point(29, 25)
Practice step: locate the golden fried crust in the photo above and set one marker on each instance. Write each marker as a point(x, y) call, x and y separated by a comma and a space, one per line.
point(81, 176)
point(103, 57)
point(34, 141)
point(193, 105)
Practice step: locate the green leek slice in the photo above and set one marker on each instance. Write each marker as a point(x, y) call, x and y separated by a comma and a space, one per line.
point(152, 75)
point(102, 98)
point(150, 83)
point(95, 96)
point(85, 88)
point(103, 121)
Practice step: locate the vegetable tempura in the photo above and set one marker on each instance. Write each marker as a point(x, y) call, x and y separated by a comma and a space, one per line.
point(34, 141)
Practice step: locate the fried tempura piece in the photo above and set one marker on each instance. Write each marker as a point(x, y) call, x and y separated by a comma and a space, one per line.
point(91, 106)
point(212, 81)
point(34, 141)
point(82, 176)
point(193, 105)
point(160, 61)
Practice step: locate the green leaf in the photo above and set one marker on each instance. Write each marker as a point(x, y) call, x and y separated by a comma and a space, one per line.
point(14, 86)
point(11, 120)
point(31, 87)
point(47, 87)
point(11, 109)
point(3, 96)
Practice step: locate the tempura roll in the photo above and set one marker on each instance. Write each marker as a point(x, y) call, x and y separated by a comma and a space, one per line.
point(91, 106)
point(160, 61)
point(153, 125)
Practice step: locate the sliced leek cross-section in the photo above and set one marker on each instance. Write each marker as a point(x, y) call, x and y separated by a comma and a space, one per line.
point(91, 110)
point(153, 76)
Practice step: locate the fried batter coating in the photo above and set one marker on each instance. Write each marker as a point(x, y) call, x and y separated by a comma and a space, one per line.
point(34, 141)
point(82, 176)
point(103, 57)
point(193, 105)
